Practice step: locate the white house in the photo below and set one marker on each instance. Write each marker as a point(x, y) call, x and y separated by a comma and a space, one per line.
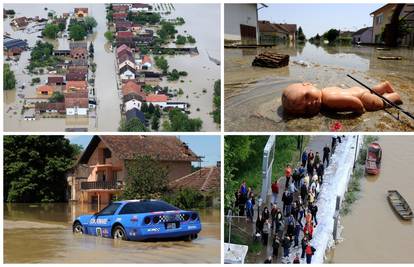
point(133, 103)
point(240, 23)
point(76, 110)
point(138, 7)
point(180, 105)
point(363, 36)
point(127, 75)
point(159, 100)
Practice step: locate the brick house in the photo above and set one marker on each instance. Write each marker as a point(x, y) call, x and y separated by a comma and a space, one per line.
point(99, 173)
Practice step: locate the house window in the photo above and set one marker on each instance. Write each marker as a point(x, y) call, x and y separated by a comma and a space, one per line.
point(107, 153)
point(379, 19)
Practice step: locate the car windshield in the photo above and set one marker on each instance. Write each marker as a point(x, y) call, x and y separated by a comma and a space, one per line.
point(110, 209)
point(146, 206)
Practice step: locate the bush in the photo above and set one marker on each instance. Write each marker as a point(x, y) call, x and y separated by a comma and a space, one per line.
point(186, 198)
point(9, 80)
point(109, 36)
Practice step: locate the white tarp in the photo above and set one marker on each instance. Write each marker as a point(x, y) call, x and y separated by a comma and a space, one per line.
point(234, 253)
point(335, 183)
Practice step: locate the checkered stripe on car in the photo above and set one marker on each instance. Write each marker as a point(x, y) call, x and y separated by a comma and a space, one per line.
point(169, 218)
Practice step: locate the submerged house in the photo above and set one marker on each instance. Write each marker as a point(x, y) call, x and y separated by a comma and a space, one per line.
point(240, 23)
point(100, 172)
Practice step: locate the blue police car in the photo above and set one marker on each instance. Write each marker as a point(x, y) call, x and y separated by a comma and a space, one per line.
point(140, 220)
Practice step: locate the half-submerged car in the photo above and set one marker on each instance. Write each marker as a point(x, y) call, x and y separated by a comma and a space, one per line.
point(373, 160)
point(140, 220)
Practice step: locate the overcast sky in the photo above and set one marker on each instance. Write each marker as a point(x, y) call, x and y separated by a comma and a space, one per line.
point(207, 145)
point(318, 18)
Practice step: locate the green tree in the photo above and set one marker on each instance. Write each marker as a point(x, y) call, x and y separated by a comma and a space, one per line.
point(133, 125)
point(146, 178)
point(217, 102)
point(180, 122)
point(300, 35)
point(91, 50)
point(56, 97)
point(162, 64)
point(35, 167)
point(155, 123)
point(180, 39)
point(331, 35)
point(9, 80)
point(51, 31)
point(109, 35)
point(144, 107)
point(77, 32)
point(191, 39)
point(62, 26)
point(151, 108)
point(90, 23)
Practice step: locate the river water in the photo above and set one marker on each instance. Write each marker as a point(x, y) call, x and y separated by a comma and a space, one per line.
point(201, 71)
point(35, 233)
point(373, 232)
point(252, 94)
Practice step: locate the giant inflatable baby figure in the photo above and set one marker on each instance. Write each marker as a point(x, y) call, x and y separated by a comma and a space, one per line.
point(304, 99)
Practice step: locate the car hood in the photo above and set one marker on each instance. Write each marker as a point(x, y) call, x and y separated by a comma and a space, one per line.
point(84, 219)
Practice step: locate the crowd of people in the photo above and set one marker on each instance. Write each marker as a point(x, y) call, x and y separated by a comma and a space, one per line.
point(290, 220)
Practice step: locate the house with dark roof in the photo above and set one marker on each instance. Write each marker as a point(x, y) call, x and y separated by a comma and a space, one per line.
point(123, 25)
point(20, 23)
point(126, 72)
point(15, 43)
point(363, 36)
point(55, 81)
point(47, 107)
point(136, 113)
point(100, 172)
point(271, 33)
point(75, 76)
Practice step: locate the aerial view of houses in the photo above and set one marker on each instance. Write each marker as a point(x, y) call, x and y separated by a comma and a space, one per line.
point(284, 70)
point(111, 67)
point(77, 175)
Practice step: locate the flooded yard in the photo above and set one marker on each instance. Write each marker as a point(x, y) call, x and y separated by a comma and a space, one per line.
point(252, 94)
point(201, 71)
point(373, 232)
point(42, 233)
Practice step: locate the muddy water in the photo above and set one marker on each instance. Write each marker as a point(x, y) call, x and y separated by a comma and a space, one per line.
point(201, 71)
point(373, 233)
point(36, 233)
point(252, 94)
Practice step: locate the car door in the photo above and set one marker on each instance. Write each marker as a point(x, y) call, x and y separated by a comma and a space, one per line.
point(100, 224)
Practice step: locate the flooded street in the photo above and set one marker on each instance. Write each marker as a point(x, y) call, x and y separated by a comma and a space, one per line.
point(202, 73)
point(373, 232)
point(35, 233)
point(252, 94)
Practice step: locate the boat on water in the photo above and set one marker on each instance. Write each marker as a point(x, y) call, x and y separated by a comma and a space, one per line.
point(373, 159)
point(400, 205)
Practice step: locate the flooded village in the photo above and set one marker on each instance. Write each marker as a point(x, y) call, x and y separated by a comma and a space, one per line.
point(253, 95)
point(88, 174)
point(110, 67)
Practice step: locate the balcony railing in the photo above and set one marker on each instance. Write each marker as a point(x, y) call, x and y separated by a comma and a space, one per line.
point(101, 185)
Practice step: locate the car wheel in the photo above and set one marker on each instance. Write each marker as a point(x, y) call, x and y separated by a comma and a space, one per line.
point(77, 228)
point(119, 233)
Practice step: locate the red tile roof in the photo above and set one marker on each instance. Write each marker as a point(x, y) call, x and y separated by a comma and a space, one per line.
point(77, 99)
point(54, 79)
point(132, 87)
point(45, 88)
point(124, 34)
point(120, 8)
point(127, 147)
point(156, 98)
point(146, 59)
point(122, 48)
point(80, 85)
point(119, 15)
point(206, 180)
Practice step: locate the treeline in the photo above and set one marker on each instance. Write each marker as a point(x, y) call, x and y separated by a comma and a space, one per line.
point(35, 168)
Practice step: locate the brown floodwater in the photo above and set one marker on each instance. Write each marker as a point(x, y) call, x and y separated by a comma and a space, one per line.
point(201, 71)
point(252, 94)
point(373, 232)
point(42, 233)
